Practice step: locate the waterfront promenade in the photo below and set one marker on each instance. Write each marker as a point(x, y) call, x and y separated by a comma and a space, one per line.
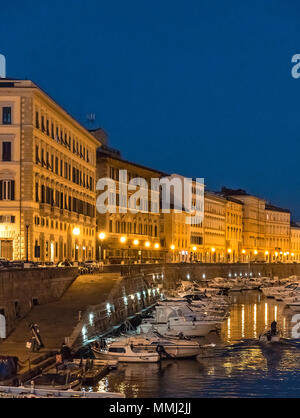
point(57, 320)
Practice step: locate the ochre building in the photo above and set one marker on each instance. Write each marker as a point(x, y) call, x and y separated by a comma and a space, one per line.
point(47, 178)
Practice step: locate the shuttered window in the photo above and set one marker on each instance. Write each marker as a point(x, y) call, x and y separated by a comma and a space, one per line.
point(7, 190)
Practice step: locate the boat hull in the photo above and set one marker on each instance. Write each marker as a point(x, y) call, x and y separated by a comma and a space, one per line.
point(136, 358)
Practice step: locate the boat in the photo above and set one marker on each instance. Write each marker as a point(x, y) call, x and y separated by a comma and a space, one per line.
point(267, 337)
point(294, 306)
point(26, 392)
point(125, 352)
point(58, 380)
point(167, 347)
point(169, 321)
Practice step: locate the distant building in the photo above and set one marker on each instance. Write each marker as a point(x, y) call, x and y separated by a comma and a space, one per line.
point(128, 237)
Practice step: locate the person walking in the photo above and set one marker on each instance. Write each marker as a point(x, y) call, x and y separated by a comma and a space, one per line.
point(274, 328)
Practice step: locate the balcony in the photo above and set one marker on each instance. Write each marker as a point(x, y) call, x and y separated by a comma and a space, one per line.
point(45, 209)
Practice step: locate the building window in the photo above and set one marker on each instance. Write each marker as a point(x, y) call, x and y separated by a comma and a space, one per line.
point(7, 219)
point(7, 190)
point(37, 120)
point(6, 151)
point(37, 192)
point(6, 116)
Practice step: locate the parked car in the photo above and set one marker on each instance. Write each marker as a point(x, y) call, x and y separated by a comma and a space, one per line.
point(24, 264)
point(91, 263)
point(5, 264)
point(65, 264)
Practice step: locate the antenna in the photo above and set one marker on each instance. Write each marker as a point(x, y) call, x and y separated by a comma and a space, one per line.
point(91, 118)
point(2, 66)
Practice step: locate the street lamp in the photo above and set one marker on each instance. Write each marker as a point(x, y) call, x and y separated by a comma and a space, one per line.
point(76, 233)
point(173, 249)
point(123, 240)
point(213, 250)
point(229, 254)
point(27, 236)
point(195, 253)
point(102, 237)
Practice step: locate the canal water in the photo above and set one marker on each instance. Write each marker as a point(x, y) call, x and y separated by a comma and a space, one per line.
point(238, 367)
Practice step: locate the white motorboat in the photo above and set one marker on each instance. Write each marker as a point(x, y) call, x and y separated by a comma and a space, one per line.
point(166, 347)
point(279, 292)
point(125, 352)
point(170, 321)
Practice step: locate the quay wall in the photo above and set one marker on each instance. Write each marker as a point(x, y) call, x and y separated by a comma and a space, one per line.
point(197, 272)
point(174, 273)
point(130, 296)
point(20, 290)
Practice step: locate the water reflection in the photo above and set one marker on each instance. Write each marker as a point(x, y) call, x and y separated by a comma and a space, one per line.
point(237, 367)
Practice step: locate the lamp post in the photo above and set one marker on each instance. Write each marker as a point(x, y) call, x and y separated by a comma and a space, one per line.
point(27, 239)
point(136, 243)
point(229, 255)
point(76, 233)
point(173, 250)
point(123, 241)
point(213, 250)
point(195, 254)
point(102, 237)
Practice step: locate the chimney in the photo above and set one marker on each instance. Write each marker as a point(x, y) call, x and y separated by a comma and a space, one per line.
point(2, 66)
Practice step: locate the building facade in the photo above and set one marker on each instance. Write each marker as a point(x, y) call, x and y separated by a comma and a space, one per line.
point(234, 230)
point(277, 234)
point(214, 242)
point(122, 235)
point(295, 242)
point(47, 178)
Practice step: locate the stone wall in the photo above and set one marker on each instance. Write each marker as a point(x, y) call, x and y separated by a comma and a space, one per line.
point(196, 272)
point(21, 289)
point(129, 296)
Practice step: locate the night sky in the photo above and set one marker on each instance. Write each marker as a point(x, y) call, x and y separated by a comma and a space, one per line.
point(200, 88)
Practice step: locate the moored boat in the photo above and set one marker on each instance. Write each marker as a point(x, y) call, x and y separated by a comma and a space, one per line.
point(125, 352)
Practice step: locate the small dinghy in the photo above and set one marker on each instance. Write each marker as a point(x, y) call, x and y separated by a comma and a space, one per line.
point(269, 337)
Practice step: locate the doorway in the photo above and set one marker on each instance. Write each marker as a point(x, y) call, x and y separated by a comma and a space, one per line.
point(7, 249)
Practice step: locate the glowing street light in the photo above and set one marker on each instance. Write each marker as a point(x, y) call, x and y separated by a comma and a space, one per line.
point(76, 233)
point(195, 249)
point(148, 244)
point(172, 247)
point(156, 246)
point(123, 240)
point(213, 250)
point(136, 242)
point(102, 237)
point(255, 252)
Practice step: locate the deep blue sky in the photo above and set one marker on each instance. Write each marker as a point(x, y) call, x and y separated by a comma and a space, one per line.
point(201, 88)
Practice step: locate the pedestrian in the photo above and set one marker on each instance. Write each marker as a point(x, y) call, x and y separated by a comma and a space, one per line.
point(274, 328)
point(66, 353)
point(36, 339)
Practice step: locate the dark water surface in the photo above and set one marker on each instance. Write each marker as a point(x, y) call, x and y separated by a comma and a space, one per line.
point(237, 367)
